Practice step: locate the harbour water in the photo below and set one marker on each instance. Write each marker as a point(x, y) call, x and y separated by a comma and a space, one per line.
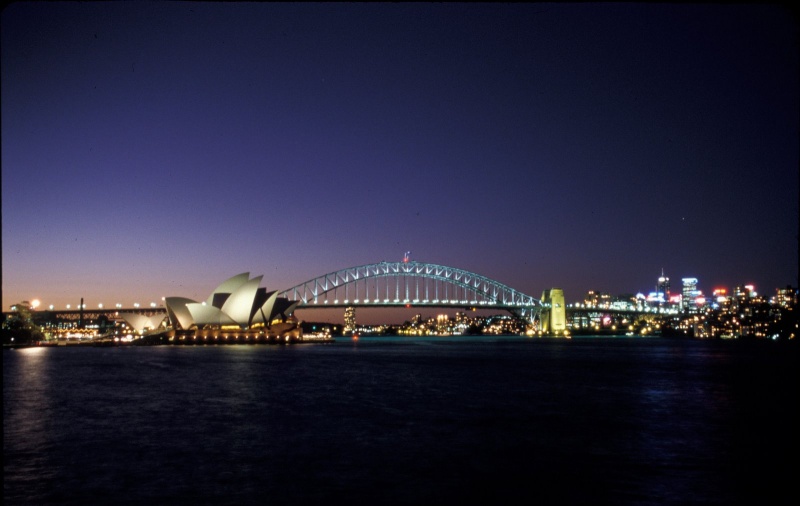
point(391, 420)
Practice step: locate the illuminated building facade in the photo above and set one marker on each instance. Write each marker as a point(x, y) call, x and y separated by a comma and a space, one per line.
point(784, 297)
point(744, 292)
point(689, 295)
point(442, 324)
point(597, 299)
point(349, 320)
point(661, 296)
point(662, 288)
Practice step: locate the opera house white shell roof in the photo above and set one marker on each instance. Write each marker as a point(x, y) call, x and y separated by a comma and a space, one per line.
point(140, 323)
point(236, 301)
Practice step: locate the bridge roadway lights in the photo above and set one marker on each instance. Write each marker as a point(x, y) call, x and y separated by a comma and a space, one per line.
point(554, 318)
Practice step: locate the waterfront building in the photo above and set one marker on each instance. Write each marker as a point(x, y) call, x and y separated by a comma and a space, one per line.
point(349, 320)
point(238, 306)
point(442, 324)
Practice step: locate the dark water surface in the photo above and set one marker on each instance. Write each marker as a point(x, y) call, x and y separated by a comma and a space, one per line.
point(404, 421)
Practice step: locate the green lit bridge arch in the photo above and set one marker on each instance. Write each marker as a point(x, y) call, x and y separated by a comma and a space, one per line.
point(405, 284)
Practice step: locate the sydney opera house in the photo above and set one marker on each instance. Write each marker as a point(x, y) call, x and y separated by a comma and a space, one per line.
point(238, 309)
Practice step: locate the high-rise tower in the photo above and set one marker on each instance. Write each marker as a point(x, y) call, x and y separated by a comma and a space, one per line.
point(349, 319)
point(662, 288)
point(689, 295)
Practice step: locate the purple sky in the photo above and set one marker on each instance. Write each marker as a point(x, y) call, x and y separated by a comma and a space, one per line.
point(155, 149)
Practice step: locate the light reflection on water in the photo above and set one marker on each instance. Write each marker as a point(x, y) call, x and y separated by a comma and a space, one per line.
point(397, 420)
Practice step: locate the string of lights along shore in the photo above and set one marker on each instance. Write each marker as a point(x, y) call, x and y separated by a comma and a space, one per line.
point(240, 310)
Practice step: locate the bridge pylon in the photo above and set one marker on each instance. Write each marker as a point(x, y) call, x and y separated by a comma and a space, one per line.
point(554, 314)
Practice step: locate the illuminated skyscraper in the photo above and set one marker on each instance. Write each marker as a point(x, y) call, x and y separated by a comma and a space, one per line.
point(662, 288)
point(689, 295)
point(349, 319)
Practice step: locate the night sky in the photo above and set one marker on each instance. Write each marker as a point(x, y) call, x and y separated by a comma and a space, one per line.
point(156, 149)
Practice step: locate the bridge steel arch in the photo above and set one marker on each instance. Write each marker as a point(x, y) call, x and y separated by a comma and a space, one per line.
point(411, 283)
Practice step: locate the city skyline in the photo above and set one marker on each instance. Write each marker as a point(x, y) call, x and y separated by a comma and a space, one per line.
point(152, 149)
point(393, 315)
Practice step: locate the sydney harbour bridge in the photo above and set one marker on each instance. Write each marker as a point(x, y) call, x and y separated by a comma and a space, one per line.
point(408, 283)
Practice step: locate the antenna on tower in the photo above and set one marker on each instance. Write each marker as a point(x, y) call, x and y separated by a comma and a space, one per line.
point(407, 257)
